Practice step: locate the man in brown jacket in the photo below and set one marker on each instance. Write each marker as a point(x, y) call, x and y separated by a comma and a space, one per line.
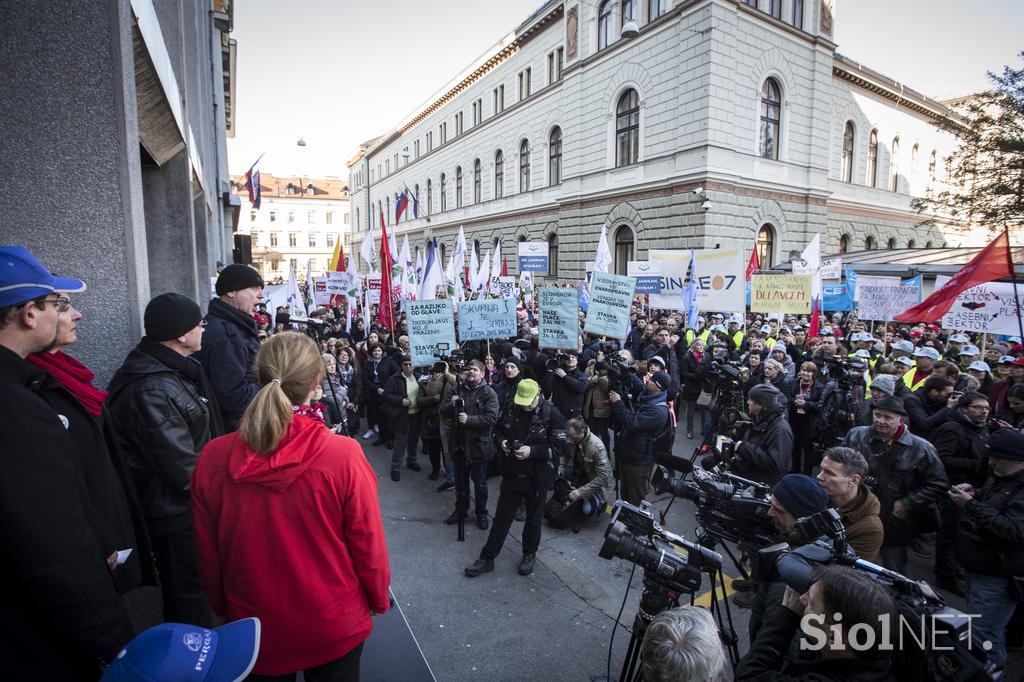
point(842, 470)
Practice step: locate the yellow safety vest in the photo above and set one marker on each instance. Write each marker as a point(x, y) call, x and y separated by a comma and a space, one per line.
point(908, 379)
point(737, 338)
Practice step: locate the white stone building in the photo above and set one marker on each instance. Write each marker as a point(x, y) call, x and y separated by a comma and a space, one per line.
point(699, 122)
point(298, 222)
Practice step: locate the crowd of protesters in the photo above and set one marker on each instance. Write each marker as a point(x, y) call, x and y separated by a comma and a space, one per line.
point(219, 430)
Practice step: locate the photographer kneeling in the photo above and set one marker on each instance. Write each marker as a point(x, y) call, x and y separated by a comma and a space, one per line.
point(586, 468)
point(839, 600)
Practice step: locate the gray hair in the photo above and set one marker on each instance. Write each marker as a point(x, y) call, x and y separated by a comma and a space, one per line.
point(683, 644)
point(772, 362)
point(852, 460)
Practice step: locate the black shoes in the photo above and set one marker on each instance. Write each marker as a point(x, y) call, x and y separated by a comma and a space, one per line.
point(479, 566)
point(414, 466)
point(742, 585)
point(434, 474)
point(743, 600)
point(526, 565)
point(390, 445)
point(445, 486)
point(377, 443)
point(452, 519)
point(396, 475)
point(481, 522)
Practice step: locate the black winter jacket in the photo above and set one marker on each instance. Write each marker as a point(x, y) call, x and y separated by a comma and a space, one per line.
point(545, 437)
point(766, 454)
point(395, 391)
point(636, 431)
point(991, 541)
point(692, 373)
point(62, 610)
point(960, 445)
point(230, 344)
point(923, 414)
point(480, 403)
point(566, 392)
point(506, 390)
point(162, 422)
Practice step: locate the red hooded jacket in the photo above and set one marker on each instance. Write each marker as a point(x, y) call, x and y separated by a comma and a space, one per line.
point(295, 538)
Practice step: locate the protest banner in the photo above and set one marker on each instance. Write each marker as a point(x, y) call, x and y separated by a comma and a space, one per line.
point(721, 278)
point(533, 256)
point(611, 301)
point(558, 318)
point(672, 264)
point(780, 294)
point(831, 268)
point(883, 303)
point(859, 281)
point(430, 323)
point(648, 276)
point(373, 289)
point(487, 319)
point(320, 295)
point(506, 287)
point(988, 307)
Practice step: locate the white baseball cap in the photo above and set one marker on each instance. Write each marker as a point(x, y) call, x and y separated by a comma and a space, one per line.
point(979, 365)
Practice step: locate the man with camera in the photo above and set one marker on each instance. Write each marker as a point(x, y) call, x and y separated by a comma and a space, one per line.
point(585, 465)
point(765, 454)
point(906, 474)
point(636, 432)
point(842, 476)
point(564, 383)
point(990, 546)
point(531, 435)
point(839, 599)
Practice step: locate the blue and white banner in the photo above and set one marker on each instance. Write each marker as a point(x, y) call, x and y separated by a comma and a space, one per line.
point(533, 256)
point(559, 323)
point(431, 323)
point(611, 301)
point(487, 319)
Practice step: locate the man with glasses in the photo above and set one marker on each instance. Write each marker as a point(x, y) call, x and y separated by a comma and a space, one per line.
point(63, 614)
point(164, 411)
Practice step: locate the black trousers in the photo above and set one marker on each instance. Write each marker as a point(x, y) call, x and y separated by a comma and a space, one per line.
point(433, 449)
point(182, 589)
point(406, 442)
point(516, 490)
point(344, 669)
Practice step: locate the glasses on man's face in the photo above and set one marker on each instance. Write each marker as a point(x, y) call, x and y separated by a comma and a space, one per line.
point(62, 303)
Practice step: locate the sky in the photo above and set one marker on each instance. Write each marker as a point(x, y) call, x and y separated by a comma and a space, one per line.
point(339, 72)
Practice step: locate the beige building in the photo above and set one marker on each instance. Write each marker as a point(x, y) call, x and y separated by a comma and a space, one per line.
point(298, 222)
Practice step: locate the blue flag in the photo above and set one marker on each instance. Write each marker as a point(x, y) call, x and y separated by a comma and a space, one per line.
point(584, 297)
point(690, 296)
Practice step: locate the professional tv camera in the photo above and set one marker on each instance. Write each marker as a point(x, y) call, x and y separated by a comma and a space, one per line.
point(456, 359)
point(841, 401)
point(621, 377)
point(556, 361)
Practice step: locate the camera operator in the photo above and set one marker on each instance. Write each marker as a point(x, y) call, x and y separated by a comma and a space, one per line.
point(636, 431)
point(683, 644)
point(531, 435)
point(960, 444)
point(991, 540)
point(597, 411)
point(842, 476)
point(585, 464)
point(664, 345)
point(477, 416)
point(905, 473)
point(564, 384)
point(839, 598)
point(793, 497)
point(765, 455)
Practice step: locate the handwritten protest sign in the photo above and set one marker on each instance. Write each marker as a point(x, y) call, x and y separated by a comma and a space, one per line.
point(883, 303)
point(780, 294)
point(430, 323)
point(487, 319)
point(988, 307)
point(611, 300)
point(506, 287)
point(558, 318)
point(320, 295)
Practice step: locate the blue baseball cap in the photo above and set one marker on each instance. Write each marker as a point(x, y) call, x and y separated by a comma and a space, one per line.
point(173, 652)
point(23, 278)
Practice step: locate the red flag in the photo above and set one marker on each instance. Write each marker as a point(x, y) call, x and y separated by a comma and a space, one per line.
point(753, 264)
point(815, 320)
point(504, 267)
point(386, 309)
point(992, 263)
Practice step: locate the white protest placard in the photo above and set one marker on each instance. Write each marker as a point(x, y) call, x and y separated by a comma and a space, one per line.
point(831, 268)
point(373, 289)
point(874, 281)
point(648, 276)
point(721, 280)
point(320, 294)
point(487, 319)
point(883, 303)
point(611, 301)
point(988, 307)
point(506, 287)
point(430, 323)
point(558, 318)
point(673, 265)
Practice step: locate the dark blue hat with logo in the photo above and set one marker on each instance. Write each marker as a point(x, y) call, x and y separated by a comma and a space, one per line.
point(23, 278)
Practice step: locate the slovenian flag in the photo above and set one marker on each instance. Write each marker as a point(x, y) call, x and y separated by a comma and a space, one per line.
point(252, 183)
point(400, 205)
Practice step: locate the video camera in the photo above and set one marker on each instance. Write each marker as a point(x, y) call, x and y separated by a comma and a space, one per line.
point(848, 372)
point(676, 563)
point(620, 374)
point(556, 361)
point(456, 359)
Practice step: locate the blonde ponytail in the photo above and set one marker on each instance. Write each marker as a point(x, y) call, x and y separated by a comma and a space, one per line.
point(288, 365)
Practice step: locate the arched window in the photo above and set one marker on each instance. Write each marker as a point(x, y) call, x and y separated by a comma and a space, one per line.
point(766, 246)
point(458, 187)
point(912, 244)
point(444, 196)
point(870, 244)
point(891, 244)
point(629, 11)
point(913, 165)
point(894, 166)
point(552, 255)
point(872, 176)
point(928, 245)
point(604, 25)
point(771, 116)
point(415, 201)
point(627, 129)
point(623, 248)
point(846, 173)
point(430, 198)
point(555, 156)
point(844, 243)
point(476, 181)
point(524, 166)
point(499, 174)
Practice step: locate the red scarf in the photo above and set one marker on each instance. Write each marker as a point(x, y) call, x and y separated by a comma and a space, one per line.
point(314, 411)
point(74, 376)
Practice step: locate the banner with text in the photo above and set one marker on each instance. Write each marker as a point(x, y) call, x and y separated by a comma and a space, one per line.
point(506, 287)
point(487, 319)
point(373, 289)
point(832, 268)
point(721, 279)
point(648, 277)
point(988, 307)
point(611, 301)
point(320, 295)
point(430, 323)
point(780, 294)
point(559, 318)
point(533, 256)
point(672, 264)
point(883, 303)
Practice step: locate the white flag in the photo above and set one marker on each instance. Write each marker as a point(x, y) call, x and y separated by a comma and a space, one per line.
point(367, 251)
point(483, 278)
point(421, 265)
point(474, 271)
point(494, 286)
point(810, 264)
point(603, 259)
point(296, 306)
point(432, 275)
point(460, 250)
point(355, 289)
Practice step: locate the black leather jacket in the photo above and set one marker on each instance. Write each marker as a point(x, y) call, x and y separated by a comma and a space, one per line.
point(991, 539)
point(546, 439)
point(767, 452)
point(480, 403)
point(162, 423)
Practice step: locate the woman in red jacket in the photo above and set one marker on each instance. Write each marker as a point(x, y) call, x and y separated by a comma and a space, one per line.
point(288, 526)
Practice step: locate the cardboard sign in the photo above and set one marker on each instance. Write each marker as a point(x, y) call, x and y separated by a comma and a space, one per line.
point(831, 268)
point(611, 301)
point(558, 318)
point(506, 287)
point(487, 319)
point(533, 256)
point(988, 307)
point(780, 294)
point(883, 303)
point(430, 323)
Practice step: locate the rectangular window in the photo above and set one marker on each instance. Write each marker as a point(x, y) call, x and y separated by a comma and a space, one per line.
point(387, 167)
point(458, 124)
point(291, 216)
point(499, 99)
point(346, 218)
point(293, 239)
point(559, 62)
point(273, 238)
point(329, 217)
point(798, 13)
point(430, 141)
point(656, 8)
point(775, 8)
point(416, 149)
point(395, 162)
point(255, 238)
point(252, 215)
point(551, 67)
point(312, 240)
point(311, 217)
point(442, 133)
point(330, 239)
point(293, 263)
point(524, 83)
point(273, 216)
